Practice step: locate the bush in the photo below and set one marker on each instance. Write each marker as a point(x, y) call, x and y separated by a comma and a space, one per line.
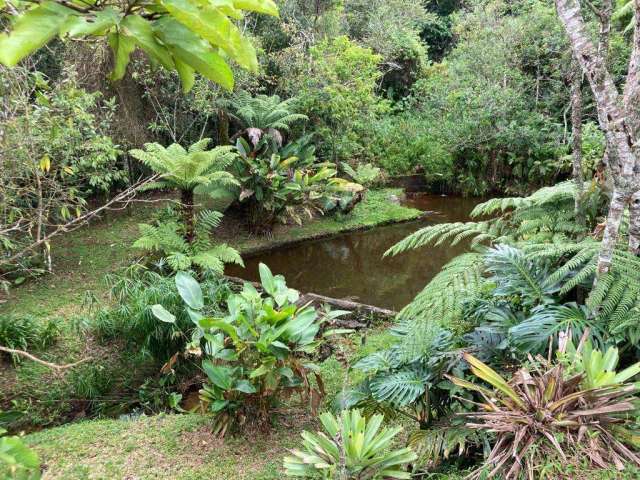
point(276, 188)
point(26, 332)
point(255, 353)
point(405, 143)
point(337, 92)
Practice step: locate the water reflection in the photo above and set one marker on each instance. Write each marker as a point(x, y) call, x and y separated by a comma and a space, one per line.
point(351, 266)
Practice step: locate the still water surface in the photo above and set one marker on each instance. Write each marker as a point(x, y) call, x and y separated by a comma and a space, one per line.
point(351, 265)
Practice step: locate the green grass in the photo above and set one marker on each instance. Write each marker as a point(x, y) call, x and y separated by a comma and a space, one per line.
point(182, 446)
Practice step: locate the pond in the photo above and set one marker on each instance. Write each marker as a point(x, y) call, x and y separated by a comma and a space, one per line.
point(351, 265)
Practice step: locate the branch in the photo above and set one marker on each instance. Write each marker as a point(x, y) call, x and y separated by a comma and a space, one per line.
point(53, 366)
point(124, 196)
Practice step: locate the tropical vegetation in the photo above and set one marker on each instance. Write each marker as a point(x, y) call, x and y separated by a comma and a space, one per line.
point(155, 156)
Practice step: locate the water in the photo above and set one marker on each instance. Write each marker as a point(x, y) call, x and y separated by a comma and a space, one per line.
point(351, 265)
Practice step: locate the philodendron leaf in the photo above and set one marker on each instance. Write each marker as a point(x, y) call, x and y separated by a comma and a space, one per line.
point(162, 314)
point(190, 291)
point(32, 30)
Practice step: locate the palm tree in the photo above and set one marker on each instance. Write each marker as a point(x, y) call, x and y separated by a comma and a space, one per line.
point(185, 170)
point(263, 115)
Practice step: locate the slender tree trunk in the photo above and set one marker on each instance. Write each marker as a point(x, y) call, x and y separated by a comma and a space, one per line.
point(618, 114)
point(188, 215)
point(611, 232)
point(223, 127)
point(634, 224)
point(576, 130)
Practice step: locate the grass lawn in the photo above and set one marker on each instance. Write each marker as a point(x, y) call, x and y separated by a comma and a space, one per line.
point(175, 446)
point(81, 260)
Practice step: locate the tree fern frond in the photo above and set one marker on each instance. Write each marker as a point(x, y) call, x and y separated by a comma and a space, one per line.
point(440, 441)
point(434, 234)
point(398, 388)
point(442, 298)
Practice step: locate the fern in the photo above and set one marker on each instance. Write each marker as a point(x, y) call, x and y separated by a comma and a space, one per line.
point(264, 112)
point(399, 388)
point(186, 170)
point(440, 441)
point(441, 301)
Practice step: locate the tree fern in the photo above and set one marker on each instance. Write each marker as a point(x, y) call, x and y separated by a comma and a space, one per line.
point(262, 115)
point(186, 170)
point(441, 301)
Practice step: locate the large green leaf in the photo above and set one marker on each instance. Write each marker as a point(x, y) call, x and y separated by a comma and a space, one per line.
point(188, 49)
point(96, 25)
point(141, 32)
point(211, 24)
point(219, 375)
point(122, 47)
point(261, 6)
point(162, 314)
point(186, 74)
point(190, 291)
point(31, 31)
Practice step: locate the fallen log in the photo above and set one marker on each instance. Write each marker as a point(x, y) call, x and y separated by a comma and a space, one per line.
point(342, 304)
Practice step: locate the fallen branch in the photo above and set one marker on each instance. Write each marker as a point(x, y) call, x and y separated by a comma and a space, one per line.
point(53, 366)
point(334, 302)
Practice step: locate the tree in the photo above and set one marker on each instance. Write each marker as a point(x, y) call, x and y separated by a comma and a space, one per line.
point(181, 35)
point(619, 117)
point(263, 115)
point(185, 170)
point(576, 130)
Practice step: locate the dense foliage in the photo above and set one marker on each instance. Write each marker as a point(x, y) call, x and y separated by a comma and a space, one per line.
point(310, 106)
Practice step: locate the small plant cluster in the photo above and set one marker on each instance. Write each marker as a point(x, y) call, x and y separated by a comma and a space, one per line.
point(26, 332)
point(276, 187)
point(352, 447)
point(256, 353)
point(549, 411)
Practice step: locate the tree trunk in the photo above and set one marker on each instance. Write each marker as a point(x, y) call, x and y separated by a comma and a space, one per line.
point(618, 121)
point(610, 238)
point(188, 215)
point(634, 224)
point(576, 130)
point(223, 127)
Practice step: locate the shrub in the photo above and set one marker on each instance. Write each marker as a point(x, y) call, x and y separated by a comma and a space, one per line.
point(542, 413)
point(274, 188)
point(353, 448)
point(255, 353)
point(337, 91)
point(25, 332)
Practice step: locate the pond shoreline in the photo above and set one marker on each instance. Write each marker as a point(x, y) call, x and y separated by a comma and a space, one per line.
point(380, 207)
